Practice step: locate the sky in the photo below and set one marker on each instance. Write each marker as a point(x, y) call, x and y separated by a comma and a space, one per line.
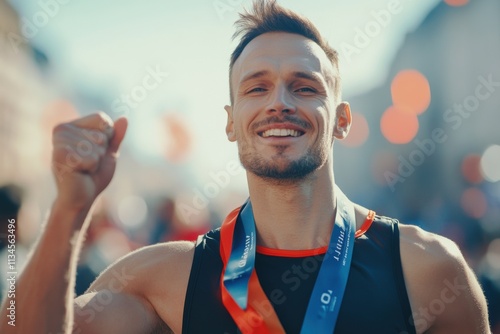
point(110, 48)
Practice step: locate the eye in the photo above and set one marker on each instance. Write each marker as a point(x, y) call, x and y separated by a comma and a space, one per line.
point(257, 90)
point(305, 90)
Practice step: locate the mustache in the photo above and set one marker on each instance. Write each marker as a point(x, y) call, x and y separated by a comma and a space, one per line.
point(279, 120)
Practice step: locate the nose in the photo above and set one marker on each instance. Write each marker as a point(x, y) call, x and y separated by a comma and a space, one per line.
point(281, 101)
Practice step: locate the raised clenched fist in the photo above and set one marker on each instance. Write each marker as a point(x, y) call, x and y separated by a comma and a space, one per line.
point(84, 157)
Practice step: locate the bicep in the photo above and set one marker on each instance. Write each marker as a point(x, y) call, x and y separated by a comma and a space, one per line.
point(115, 302)
point(444, 293)
point(465, 308)
point(130, 295)
point(107, 312)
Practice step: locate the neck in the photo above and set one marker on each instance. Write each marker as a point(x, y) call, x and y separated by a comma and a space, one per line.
point(298, 215)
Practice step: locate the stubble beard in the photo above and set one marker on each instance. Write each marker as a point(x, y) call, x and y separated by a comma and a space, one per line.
point(284, 172)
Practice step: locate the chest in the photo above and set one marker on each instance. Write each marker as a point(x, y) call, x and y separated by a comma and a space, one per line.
point(372, 293)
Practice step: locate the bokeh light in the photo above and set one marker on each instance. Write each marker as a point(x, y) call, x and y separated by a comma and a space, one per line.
point(474, 203)
point(411, 92)
point(471, 169)
point(399, 127)
point(490, 163)
point(178, 139)
point(132, 211)
point(112, 245)
point(359, 131)
point(456, 3)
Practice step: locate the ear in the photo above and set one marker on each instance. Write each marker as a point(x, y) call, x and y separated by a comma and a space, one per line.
point(230, 125)
point(343, 121)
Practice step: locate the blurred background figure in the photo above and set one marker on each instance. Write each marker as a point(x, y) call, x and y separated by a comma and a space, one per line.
point(10, 205)
point(173, 224)
point(170, 225)
point(105, 243)
point(422, 78)
point(163, 222)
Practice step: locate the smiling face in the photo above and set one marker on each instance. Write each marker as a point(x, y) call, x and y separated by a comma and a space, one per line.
point(284, 115)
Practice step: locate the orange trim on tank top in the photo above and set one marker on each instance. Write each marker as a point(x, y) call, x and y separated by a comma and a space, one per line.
point(316, 251)
point(366, 225)
point(291, 252)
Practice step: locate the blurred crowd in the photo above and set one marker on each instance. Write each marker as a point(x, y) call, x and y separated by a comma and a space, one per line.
point(452, 190)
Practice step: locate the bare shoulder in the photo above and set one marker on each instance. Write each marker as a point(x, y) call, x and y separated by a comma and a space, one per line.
point(156, 276)
point(165, 261)
point(429, 248)
point(445, 295)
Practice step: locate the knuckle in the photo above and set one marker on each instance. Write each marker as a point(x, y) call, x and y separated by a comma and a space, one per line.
point(87, 164)
point(92, 162)
point(84, 147)
point(102, 138)
point(95, 136)
point(101, 151)
point(94, 159)
point(99, 137)
point(101, 115)
point(104, 120)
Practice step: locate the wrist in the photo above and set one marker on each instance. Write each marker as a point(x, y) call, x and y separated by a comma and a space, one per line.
point(70, 205)
point(67, 215)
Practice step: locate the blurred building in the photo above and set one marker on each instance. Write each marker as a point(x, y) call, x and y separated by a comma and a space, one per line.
point(436, 179)
point(25, 127)
point(456, 49)
point(22, 94)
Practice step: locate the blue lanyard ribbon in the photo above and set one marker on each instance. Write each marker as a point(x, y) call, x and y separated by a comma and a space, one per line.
point(326, 298)
point(242, 259)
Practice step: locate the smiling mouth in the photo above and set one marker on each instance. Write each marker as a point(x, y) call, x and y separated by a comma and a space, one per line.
point(280, 133)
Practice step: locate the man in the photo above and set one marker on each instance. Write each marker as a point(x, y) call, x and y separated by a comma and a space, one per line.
point(288, 260)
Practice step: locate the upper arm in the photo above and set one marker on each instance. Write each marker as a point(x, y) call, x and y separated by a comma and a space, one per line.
point(108, 312)
point(136, 294)
point(444, 293)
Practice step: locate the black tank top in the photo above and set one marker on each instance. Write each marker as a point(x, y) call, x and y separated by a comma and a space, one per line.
point(375, 299)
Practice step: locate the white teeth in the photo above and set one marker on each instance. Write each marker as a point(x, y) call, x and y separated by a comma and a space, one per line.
point(280, 133)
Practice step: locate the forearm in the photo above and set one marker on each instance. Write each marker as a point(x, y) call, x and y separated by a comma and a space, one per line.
point(44, 290)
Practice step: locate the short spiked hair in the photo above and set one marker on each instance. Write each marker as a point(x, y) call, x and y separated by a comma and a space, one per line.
point(268, 16)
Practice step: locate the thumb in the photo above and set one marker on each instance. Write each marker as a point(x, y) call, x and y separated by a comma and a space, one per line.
point(119, 128)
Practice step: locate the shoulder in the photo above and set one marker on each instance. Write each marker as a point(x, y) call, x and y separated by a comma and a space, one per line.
point(429, 248)
point(138, 265)
point(444, 293)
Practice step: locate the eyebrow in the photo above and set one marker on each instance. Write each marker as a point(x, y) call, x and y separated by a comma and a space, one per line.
point(308, 76)
point(254, 75)
point(297, 74)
